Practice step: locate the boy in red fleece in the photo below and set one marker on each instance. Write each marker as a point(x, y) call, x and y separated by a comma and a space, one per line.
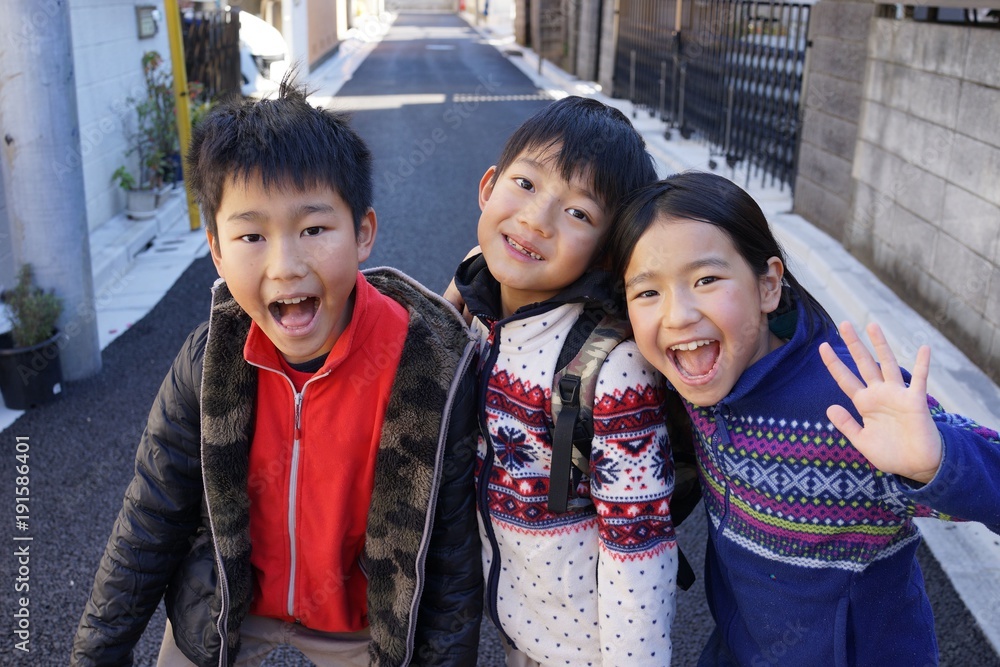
point(305, 477)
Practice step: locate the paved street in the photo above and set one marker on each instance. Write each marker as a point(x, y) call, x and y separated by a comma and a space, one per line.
point(435, 102)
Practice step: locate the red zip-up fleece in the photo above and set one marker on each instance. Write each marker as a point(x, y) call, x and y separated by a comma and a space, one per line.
point(311, 483)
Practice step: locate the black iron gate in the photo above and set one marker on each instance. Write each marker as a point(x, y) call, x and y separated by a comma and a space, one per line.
point(212, 50)
point(732, 74)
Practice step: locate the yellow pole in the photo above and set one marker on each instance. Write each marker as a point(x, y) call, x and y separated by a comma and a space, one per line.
point(181, 103)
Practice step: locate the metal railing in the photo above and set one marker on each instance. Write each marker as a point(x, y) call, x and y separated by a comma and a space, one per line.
point(212, 50)
point(732, 76)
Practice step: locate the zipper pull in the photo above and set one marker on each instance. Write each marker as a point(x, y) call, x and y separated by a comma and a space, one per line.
point(721, 427)
point(298, 414)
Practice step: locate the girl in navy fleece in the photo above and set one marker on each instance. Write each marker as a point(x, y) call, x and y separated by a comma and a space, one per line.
point(814, 459)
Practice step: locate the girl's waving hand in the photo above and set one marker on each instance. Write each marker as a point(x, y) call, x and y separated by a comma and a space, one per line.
point(898, 435)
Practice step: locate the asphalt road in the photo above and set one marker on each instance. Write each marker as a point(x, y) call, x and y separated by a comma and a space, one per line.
point(431, 150)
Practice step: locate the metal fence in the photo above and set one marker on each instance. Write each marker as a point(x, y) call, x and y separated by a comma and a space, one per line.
point(732, 75)
point(212, 50)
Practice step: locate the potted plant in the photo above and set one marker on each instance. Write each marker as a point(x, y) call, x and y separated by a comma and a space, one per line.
point(160, 124)
point(140, 200)
point(30, 374)
point(151, 135)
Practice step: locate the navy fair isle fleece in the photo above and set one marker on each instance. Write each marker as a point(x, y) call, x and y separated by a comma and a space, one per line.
point(811, 554)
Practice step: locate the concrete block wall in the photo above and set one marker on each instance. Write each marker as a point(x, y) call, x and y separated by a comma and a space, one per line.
point(589, 37)
point(838, 30)
point(108, 68)
point(925, 214)
point(522, 33)
point(608, 47)
point(550, 30)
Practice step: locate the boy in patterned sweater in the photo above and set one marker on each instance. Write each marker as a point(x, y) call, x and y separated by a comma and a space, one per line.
point(593, 585)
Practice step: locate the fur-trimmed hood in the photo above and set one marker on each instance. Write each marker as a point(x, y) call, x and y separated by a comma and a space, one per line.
point(408, 467)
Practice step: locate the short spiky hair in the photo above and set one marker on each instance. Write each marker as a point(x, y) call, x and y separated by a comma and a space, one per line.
point(286, 142)
point(594, 140)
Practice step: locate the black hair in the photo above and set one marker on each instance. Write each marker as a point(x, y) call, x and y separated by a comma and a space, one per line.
point(286, 142)
point(715, 200)
point(594, 140)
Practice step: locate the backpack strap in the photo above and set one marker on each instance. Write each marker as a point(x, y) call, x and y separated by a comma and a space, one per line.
point(588, 343)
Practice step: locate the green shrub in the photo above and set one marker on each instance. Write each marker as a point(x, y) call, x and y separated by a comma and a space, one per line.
point(33, 311)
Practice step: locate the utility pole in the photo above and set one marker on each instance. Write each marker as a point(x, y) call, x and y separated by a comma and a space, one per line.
point(182, 103)
point(42, 168)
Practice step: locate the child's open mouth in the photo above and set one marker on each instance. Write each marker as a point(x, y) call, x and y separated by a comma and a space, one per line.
point(697, 360)
point(294, 313)
point(521, 249)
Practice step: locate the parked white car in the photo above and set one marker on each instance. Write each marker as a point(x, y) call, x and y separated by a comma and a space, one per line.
point(263, 55)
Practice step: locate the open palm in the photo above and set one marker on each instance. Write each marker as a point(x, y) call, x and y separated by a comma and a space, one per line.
point(898, 435)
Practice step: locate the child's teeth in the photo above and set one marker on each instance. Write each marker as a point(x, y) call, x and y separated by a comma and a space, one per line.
point(693, 345)
point(292, 302)
point(520, 248)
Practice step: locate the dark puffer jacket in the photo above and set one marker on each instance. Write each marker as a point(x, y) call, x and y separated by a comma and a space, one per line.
point(186, 518)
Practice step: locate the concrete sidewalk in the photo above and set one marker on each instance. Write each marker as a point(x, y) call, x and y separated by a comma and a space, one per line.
point(968, 552)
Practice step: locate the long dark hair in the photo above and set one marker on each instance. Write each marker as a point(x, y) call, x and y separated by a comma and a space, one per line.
point(715, 200)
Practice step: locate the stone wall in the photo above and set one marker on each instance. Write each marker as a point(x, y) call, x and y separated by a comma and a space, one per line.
point(926, 177)
point(550, 29)
point(608, 47)
point(838, 30)
point(589, 36)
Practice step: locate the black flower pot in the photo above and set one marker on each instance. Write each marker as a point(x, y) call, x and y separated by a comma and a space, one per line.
point(29, 376)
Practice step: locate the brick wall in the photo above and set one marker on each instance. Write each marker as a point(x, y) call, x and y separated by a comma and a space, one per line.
point(926, 177)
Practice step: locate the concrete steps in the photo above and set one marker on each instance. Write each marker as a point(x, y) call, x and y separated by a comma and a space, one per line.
point(115, 244)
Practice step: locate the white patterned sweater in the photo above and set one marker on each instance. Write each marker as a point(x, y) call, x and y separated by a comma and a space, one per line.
point(592, 586)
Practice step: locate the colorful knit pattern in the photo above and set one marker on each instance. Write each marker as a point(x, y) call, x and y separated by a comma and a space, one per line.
point(593, 585)
point(800, 492)
point(518, 493)
point(629, 452)
point(959, 421)
point(632, 477)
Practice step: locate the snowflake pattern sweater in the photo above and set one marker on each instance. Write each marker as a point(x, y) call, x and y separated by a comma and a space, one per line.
point(591, 586)
point(811, 554)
